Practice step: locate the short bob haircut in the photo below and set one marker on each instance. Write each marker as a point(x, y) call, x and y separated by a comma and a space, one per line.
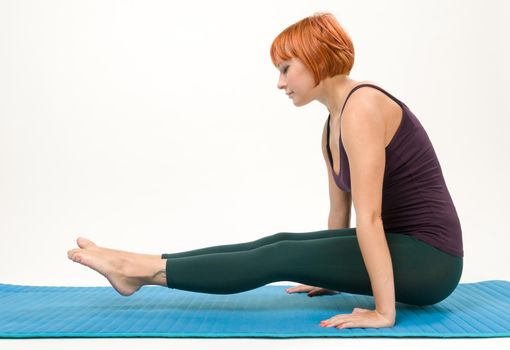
point(319, 42)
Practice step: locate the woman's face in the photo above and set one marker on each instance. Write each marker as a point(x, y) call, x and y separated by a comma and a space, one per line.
point(295, 79)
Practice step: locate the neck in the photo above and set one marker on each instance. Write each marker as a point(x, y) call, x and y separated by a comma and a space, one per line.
point(334, 90)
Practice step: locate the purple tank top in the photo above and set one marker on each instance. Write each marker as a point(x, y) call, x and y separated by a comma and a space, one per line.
point(415, 199)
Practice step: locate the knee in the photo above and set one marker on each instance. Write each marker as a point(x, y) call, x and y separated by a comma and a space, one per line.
point(282, 236)
point(276, 254)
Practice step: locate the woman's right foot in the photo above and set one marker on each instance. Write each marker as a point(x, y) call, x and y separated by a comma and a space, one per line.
point(108, 264)
point(85, 243)
point(127, 272)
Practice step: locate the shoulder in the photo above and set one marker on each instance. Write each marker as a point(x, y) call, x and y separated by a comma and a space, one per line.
point(362, 112)
point(365, 97)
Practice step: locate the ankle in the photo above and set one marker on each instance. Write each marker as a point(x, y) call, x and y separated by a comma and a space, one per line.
point(145, 270)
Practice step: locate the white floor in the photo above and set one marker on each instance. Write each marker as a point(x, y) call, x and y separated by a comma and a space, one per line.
point(226, 344)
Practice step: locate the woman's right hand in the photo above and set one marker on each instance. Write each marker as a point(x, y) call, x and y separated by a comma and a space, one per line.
point(311, 290)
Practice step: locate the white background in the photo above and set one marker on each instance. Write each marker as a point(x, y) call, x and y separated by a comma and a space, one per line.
point(156, 126)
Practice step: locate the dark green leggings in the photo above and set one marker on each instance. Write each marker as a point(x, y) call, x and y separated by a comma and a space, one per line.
point(329, 259)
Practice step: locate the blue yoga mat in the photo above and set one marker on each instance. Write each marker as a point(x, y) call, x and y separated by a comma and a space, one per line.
point(479, 309)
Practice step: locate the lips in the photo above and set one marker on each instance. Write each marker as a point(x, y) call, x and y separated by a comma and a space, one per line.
point(290, 93)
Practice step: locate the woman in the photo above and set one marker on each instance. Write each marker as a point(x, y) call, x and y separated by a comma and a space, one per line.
point(407, 243)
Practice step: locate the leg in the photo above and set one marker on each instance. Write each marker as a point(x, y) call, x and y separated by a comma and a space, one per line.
point(127, 272)
point(423, 275)
point(281, 236)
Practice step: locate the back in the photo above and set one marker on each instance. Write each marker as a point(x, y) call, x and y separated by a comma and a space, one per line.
point(415, 200)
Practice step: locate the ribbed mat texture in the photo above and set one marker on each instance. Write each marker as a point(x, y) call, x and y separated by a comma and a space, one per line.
point(479, 309)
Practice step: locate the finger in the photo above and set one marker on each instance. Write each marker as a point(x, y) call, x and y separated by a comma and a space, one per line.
point(319, 292)
point(313, 292)
point(342, 323)
point(339, 319)
point(347, 325)
point(335, 321)
point(325, 291)
point(297, 287)
point(332, 324)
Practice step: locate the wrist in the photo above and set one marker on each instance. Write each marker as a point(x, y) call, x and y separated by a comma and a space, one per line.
point(389, 312)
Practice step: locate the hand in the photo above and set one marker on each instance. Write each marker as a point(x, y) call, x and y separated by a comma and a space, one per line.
point(312, 291)
point(361, 318)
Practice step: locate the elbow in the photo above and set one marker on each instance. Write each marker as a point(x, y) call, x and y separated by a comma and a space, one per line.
point(369, 220)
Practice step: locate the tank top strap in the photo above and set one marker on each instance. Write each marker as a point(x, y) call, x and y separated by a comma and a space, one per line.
point(374, 86)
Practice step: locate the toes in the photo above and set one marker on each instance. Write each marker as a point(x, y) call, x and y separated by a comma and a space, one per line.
point(85, 243)
point(71, 253)
point(80, 256)
point(77, 258)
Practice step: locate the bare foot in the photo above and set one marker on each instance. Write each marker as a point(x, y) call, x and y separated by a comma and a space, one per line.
point(126, 272)
point(87, 243)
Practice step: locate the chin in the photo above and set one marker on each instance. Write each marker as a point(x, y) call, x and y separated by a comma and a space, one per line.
point(299, 102)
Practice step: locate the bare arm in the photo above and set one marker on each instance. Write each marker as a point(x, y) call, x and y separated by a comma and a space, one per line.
point(339, 217)
point(363, 133)
point(340, 201)
point(336, 220)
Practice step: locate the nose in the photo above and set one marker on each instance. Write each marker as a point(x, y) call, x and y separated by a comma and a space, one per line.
point(281, 82)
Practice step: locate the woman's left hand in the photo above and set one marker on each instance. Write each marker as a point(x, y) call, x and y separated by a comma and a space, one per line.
point(360, 318)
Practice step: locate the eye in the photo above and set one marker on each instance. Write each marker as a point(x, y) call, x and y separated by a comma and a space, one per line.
point(285, 69)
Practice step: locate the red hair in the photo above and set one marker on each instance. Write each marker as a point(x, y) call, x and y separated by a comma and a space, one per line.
point(319, 42)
